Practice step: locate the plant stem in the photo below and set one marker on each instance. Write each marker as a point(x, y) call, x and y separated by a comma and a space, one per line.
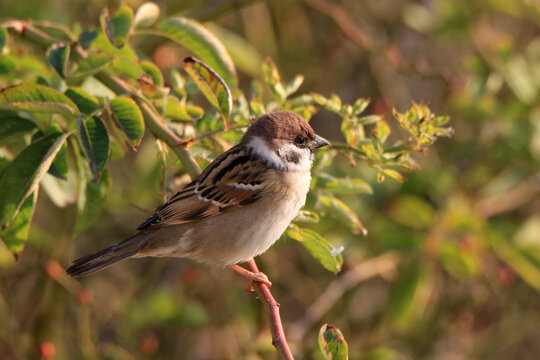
point(272, 307)
point(156, 126)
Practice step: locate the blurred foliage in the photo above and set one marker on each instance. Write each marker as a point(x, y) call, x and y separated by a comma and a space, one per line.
point(464, 227)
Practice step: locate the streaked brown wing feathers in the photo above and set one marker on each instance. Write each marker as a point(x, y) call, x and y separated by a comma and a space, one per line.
point(234, 179)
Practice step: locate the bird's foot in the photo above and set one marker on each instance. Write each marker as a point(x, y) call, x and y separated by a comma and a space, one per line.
point(251, 276)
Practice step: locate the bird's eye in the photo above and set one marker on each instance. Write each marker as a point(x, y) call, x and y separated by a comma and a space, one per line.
point(300, 140)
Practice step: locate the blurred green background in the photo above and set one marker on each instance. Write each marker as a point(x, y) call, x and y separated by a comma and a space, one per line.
point(450, 268)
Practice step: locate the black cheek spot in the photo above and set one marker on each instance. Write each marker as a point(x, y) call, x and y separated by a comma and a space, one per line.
point(292, 157)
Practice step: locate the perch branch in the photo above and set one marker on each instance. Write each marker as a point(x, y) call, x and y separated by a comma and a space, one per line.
point(272, 307)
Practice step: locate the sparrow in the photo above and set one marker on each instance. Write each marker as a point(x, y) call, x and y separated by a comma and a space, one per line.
point(235, 209)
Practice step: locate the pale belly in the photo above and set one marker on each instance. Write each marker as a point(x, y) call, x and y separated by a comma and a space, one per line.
point(249, 231)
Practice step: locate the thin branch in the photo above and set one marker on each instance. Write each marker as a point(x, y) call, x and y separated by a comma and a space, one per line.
point(272, 307)
point(383, 265)
point(510, 200)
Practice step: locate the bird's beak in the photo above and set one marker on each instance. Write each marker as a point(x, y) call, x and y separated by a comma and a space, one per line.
point(319, 142)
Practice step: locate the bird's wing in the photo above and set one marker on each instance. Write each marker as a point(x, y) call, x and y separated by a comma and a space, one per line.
point(235, 179)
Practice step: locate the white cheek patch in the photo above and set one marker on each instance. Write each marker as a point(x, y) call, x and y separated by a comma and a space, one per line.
point(259, 147)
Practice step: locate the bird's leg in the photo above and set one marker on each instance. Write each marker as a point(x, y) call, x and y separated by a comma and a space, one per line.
point(251, 276)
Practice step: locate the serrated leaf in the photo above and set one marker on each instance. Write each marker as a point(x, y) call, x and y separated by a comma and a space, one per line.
point(92, 196)
point(151, 69)
point(13, 126)
point(127, 115)
point(332, 343)
point(146, 15)
point(318, 247)
point(92, 65)
point(86, 103)
point(118, 27)
point(95, 142)
point(211, 85)
point(58, 57)
point(21, 177)
point(342, 212)
point(36, 98)
point(342, 186)
point(3, 39)
point(16, 234)
point(205, 45)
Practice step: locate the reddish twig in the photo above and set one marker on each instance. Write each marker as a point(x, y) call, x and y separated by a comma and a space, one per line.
point(272, 306)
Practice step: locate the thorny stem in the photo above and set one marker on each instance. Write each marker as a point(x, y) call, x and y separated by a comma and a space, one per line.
point(272, 307)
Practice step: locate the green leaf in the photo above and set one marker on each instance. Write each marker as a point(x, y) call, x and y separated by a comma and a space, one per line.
point(409, 296)
point(92, 65)
point(359, 106)
point(412, 211)
point(14, 126)
point(211, 85)
point(118, 27)
point(86, 103)
point(36, 98)
point(195, 37)
point(319, 248)
point(92, 196)
point(342, 186)
point(342, 212)
point(58, 57)
point(16, 234)
point(528, 270)
point(95, 142)
point(146, 15)
point(87, 37)
point(175, 109)
point(59, 167)
point(273, 80)
point(151, 69)
point(7, 65)
point(332, 343)
point(381, 131)
point(125, 66)
point(3, 39)
point(127, 115)
point(244, 54)
point(307, 216)
point(21, 177)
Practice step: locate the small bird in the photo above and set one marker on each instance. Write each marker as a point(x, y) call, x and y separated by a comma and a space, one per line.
point(235, 209)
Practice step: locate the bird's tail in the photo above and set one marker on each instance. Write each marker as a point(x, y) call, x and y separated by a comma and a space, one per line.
point(91, 263)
